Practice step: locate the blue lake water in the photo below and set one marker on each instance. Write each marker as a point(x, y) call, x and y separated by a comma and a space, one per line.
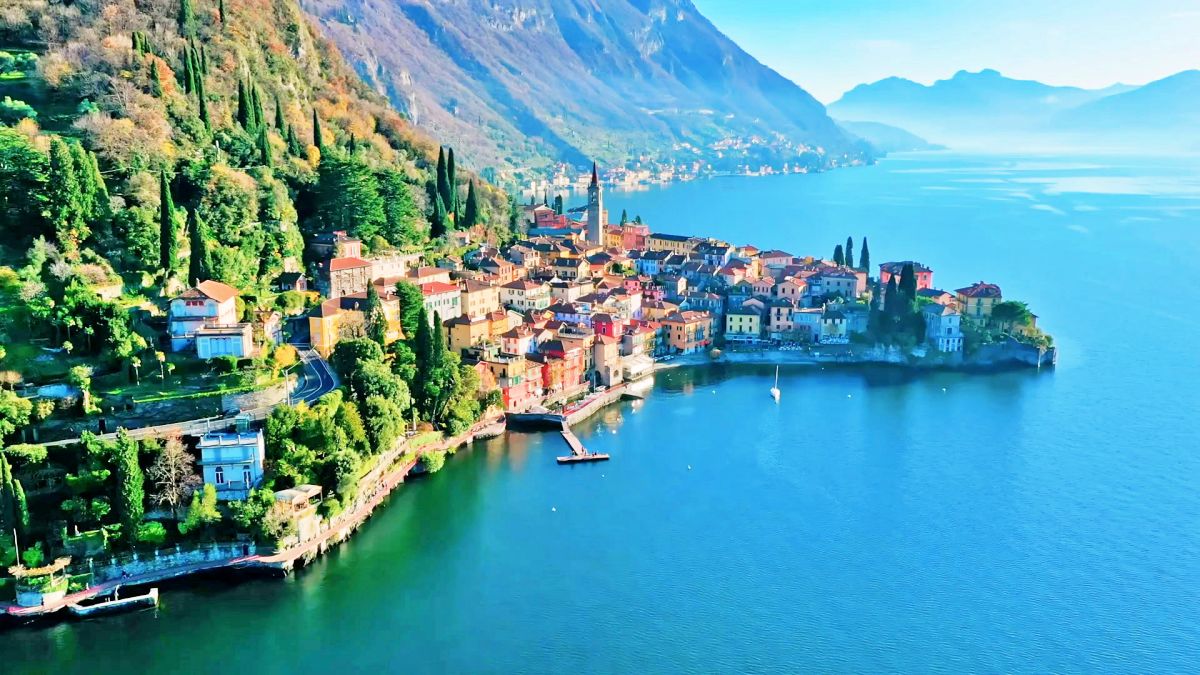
point(871, 521)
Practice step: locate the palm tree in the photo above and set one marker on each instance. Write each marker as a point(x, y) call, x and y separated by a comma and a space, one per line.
point(162, 371)
point(136, 363)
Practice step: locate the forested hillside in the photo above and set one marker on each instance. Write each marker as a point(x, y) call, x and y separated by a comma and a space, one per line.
point(157, 142)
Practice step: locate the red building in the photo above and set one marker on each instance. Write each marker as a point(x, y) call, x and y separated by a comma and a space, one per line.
point(607, 324)
point(889, 269)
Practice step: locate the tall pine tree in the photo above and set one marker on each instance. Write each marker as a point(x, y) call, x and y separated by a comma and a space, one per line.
point(437, 220)
point(376, 319)
point(168, 243)
point(280, 122)
point(442, 178)
point(839, 257)
point(264, 146)
point(243, 106)
point(67, 206)
point(849, 252)
point(202, 98)
point(221, 11)
point(452, 183)
point(318, 140)
point(8, 498)
point(864, 257)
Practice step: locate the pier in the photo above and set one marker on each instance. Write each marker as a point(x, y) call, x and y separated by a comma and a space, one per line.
point(578, 452)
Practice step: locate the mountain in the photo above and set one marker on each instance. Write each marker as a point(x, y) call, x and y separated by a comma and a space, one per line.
point(886, 138)
point(967, 109)
point(1163, 114)
point(521, 82)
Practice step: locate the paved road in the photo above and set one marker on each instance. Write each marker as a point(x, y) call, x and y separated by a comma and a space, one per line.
point(313, 381)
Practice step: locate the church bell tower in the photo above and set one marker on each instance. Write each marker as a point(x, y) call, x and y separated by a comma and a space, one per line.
point(595, 210)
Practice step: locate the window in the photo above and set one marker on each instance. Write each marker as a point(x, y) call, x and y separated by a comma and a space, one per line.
point(219, 475)
point(246, 477)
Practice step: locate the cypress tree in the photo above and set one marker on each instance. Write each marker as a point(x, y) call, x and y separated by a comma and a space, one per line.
point(318, 141)
point(376, 319)
point(221, 11)
point(351, 145)
point(849, 252)
point(200, 261)
point(189, 71)
point(93, 194)
point(451, 182)
point(8, 507)
point(624, 217)
point(20, 508)
point(294, 142)
point(136, 39)
point(864, 257)
point(891, 299)
point(168, 246)
point(187, 20)
point(130, 486)
point(437, 220)
point(443, 189)
point(202, 97)
point(264, 147)
point(257, 107)
point(280, 122)
point(243, 106)
point(203, 60)
point(839, 257)
point(908, 283)
point(156, 88)
point(471, 214)
point(558, 205)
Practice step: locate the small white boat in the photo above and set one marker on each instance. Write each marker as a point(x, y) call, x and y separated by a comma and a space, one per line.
point(775, 389)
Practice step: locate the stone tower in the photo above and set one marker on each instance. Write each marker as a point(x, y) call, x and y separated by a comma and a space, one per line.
point(596, 216)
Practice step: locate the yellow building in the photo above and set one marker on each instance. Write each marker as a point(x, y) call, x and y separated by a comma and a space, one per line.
point(688, 332)
point(743, 323)
point(675, 243)
point(977, 300)
point(323, 326)
point(464, 332)
point(479, 298)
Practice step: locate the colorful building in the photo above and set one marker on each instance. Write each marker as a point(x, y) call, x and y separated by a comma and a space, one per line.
point(977, 300)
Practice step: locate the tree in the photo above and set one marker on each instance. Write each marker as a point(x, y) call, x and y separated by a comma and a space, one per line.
point(384, 421)
point(471, 213)
point(187, 20)
point(558, 204)
point(136, 364)
point(438, 220)
point(908, 283)
point(839, 258)
point(174, 476)
point(202, 98)
point(203, 513)
point(200, 259)
point(452, 183)
point(14, 412)
point(243, 106)
point(891, 298)
point(8, 497)
point(168, 239)
point(412, 305)
point(280, 120)
point(264, 146)
point(156, 88)
point(402, 217)
point(20, 508)
point(864, 257)
point(348, 195)
point(318, 141)
point(624, 217)
point(66, 204)
point(442, 179)
point(377, 324)
point(1011, 313)
point(130, 488)
point(849, 252)
point(350, 355)
point(81, 377)
point(221, 11)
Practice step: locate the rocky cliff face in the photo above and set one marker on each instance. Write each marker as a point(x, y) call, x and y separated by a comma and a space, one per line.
point(514, 80)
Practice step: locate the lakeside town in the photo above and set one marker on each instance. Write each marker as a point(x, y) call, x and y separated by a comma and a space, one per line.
point(574, 306)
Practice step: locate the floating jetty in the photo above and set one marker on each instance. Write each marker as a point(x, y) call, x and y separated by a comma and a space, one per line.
point(116, 605)
point(578, 452)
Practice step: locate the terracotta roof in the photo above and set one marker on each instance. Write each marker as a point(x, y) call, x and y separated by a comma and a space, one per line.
point(522, 284)
point(898, 267)
point(216, 290)
point(980, 290)
point(338, 264)
point(437, 288)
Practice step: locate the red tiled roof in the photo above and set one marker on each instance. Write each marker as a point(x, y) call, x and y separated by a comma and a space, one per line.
point(437, 288)
point(339, 264)
point(980, 290)
point(217, 290)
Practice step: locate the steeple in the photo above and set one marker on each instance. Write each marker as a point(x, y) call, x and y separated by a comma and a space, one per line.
point(596, 216)
point(595, 176)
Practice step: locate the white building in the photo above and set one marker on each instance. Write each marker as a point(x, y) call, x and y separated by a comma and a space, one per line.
point(943, 327)
point(232, 462)
point(208, 304)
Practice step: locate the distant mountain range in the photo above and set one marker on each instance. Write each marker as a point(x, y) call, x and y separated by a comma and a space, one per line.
point(518, 82)
point(887, 138)
point(987, 109)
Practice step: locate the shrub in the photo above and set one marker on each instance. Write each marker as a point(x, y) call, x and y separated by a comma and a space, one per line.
point(433, 461)
point(152, 533)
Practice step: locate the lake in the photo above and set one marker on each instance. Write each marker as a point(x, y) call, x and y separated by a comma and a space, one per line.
point(871, 521)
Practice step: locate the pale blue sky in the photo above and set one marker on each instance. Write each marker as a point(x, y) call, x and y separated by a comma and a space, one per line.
point(828, 46)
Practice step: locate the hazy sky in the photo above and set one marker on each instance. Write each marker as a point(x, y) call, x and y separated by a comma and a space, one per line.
point(828, 46)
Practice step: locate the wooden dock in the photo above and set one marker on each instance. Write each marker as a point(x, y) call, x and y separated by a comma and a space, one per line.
point(578, 452)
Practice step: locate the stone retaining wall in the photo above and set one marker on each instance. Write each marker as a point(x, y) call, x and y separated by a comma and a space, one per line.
point(106, 568)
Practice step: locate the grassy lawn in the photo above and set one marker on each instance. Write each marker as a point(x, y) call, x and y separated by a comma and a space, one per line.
point(191, 379)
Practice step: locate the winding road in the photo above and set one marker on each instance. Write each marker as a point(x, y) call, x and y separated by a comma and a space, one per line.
point(314, 381)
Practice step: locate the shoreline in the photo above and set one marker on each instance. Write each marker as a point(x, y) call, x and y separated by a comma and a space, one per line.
point(393, 473)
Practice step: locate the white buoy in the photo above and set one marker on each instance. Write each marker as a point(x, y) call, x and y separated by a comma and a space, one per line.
point(943, 389)
point(689, 467)
point(849, 395)
point(554, 508)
